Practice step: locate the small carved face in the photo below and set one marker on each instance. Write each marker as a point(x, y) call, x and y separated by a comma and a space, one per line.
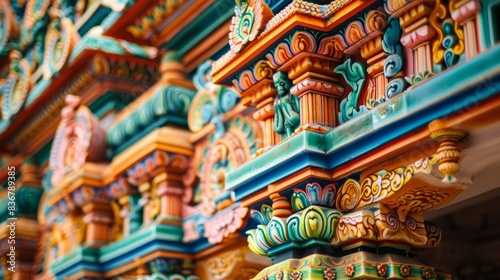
point(282, 83)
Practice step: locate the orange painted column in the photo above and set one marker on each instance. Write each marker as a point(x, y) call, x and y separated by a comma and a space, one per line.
point(257, 88)
point(375, 57)
point(98, 219)
point(265, 94)
point(169, 190)
point(316, 87)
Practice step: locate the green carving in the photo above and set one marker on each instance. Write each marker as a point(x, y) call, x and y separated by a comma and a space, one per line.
point(355, 76)
point(314, 220)
point(26, 203)
point(135, 215)
point(286, 106)
point(418, 78)
point(394, 62)
point(169, 105)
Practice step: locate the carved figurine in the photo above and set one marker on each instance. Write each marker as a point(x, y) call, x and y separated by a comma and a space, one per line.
point(286, 106)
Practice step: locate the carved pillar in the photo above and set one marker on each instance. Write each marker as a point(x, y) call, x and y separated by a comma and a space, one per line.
point(417, 29)
point(98, 219)
point(465, 13)
point(309, 62)
point(169, 191)
point(256, 87)
point(375, 57)
point(316, 88)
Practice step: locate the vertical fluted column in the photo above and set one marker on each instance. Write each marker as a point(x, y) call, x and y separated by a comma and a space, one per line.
point(375, 57)
point(169, 191)
point(465, 13)
point(265, 99)
point(417, 29)
point(256, 87)
point(98, 219)
point(317, 89)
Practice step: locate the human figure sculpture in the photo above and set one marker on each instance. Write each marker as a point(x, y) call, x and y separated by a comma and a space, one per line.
point(286, 106)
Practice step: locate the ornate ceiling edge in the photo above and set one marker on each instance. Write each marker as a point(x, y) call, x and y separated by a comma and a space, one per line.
point(370, 122)
point(51, 97)
point(318, 17)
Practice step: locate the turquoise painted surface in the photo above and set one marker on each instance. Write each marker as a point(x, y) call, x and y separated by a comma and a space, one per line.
point(452, 92)
point(126, 250)
point(169, 104)
point(488, 23)
point(26, 199)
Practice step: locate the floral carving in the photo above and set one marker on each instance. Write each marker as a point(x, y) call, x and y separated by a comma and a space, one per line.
point(60, 39)
point(225, 223)
point(17, 87)
point(394, 63)
point(79, 138)
point(312, 220)
point(426, 273)
point(279, 275)
point(355, 76)
point(7, 26)
point(379, 185)
point(382, 270)
point(349, 270)
point(328, 274)
point(404, 270)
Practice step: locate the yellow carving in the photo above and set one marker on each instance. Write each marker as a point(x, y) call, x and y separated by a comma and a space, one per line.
point(437, 14)
point(377, 186)
point(117, 230)
point(460, 47)
point(448, 152)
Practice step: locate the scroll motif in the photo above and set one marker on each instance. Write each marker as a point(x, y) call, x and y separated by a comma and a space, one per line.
point(79, 138)
point(355, 76)
point(17, 87)
point(60, 39)
point(250, 17)
point(375, 187)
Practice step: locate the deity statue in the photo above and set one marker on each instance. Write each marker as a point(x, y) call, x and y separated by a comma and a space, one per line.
point(286, 106)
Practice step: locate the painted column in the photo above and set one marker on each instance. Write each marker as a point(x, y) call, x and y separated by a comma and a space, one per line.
point(169, 191)
point(316, 88)
point(417, 29)
point(375, 57)
point(98, 219)
point(256, 87)
point(309, 61)
point(465, 13)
